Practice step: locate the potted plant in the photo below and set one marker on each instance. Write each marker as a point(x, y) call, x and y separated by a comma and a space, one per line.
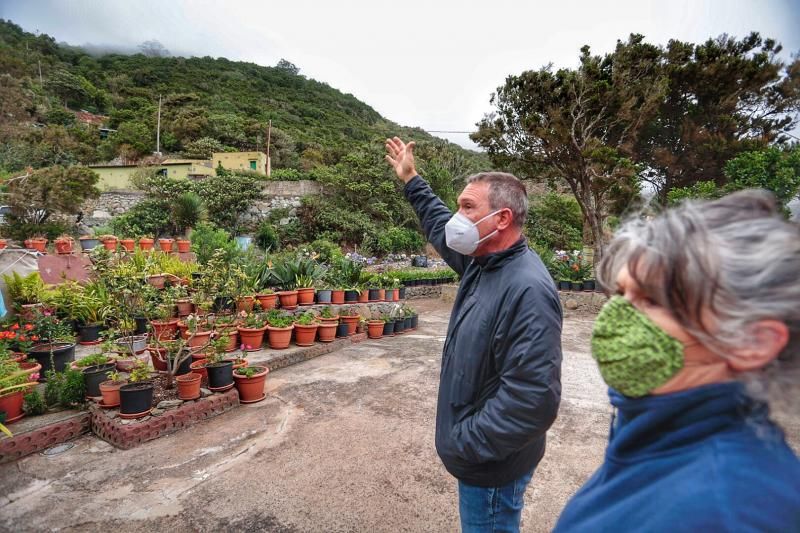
point(305, 290)
point(305, 329)
point(163, 324)
point(109, 389)
point(94, 375)
point(37, 242)
point(189, 386)
point(267, 299)
point(57, 347)
point(375, 328)
point(280, 329)
point(3, 244)
point(128, 244)
point(251, 331)
point(136, 396)
point(166, 245)
point(350, 316)
point(109, 242)
point(88, 242)
point(388, 325)
point(324, 292)
point(196, 335)
point(184, 246)
point(64, 244)
point(220, 371)
point(90, 309)
point(250, 383)
point(15, 382)
point(25, 292)
point(146, 243)
point(327, 316)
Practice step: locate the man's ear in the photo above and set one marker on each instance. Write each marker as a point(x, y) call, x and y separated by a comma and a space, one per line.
point(506, 219)
point(768, 338)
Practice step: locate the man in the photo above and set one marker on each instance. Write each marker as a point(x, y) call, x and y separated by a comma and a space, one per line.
point(500, 383)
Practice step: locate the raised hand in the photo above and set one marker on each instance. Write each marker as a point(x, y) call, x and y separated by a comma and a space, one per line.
point(401, 157)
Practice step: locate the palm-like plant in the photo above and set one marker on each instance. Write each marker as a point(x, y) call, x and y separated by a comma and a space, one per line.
point(24, 290)
point(187, 210)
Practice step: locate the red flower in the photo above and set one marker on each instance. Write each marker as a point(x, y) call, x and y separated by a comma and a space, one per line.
point(28, 327)
point(34, 337)
point(15, 327)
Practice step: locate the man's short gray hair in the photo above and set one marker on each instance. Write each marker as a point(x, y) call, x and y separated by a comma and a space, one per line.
point(736, 259)
point(506, 191)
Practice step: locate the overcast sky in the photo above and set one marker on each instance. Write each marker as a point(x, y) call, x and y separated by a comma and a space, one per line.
point(432, 64)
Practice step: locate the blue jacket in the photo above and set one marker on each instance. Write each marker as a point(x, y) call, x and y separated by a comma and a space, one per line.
point(704, 459)
point(500, 382)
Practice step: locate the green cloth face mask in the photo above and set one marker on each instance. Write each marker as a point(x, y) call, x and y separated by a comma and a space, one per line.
point(635, 356)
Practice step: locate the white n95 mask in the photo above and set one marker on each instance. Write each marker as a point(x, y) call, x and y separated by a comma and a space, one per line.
point(461, 234)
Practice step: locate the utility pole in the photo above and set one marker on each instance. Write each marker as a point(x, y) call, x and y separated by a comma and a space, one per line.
point(158, 129)
point(269, 163)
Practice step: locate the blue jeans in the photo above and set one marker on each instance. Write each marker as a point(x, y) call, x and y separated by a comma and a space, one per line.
point(492, 509)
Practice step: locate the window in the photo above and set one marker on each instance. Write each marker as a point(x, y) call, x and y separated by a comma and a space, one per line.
point(252, 164)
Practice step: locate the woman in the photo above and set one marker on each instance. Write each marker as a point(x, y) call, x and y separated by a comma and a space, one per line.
point(700, 338)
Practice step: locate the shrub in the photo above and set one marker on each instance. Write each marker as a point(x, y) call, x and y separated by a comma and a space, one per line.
point(34, 404)
point(327, 251)
point(188, 210)
point(555, 222)
point(15, 229)
point(148, 217)
point(395, 240)
point(267, 237)
point(207, 239)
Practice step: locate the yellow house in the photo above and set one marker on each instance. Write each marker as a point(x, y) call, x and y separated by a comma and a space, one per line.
point(118, 177)
point(255, 161)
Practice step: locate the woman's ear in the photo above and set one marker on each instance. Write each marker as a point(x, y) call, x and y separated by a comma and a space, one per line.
point(768, 339)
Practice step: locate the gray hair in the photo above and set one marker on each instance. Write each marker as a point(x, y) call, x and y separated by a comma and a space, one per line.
point(506, 191)
point(736, 258)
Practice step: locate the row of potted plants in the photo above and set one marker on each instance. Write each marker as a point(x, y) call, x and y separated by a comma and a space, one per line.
point(65, 244)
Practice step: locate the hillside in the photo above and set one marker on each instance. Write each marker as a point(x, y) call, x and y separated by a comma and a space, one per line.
point(209, 105)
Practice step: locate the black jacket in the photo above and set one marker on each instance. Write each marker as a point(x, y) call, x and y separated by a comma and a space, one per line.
point(500, 383)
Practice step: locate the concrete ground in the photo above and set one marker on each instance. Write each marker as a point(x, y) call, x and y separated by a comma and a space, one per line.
point(343, 442)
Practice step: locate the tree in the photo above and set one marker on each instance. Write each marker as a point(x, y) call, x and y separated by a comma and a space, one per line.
point(154, 48)
point(578, 125)
point(722, 97)
point(39, 194)
point(288, 66)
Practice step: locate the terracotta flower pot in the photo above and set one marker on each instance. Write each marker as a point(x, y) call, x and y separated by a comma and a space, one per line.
point(238, 362)
point(304, 335)
point(3, 244)
point(184, 245)
point(381, 295)
point(64, 246)
point(110, 244)
point(40, 245)
point(267, 301)
point(395, 295)
point(363, 296)
point(165, 245)
point(110, 391)
point(245, 303)
point(279, 338)
point(375, 329)
point(146, 243)
point(288, 299)
point(159, 358)
point(12, 403)
point(337, 296)
point(305, 296)
point(158, 280)
point(128, 244)
point(185, 307)
point(252, 337)
point(164, 329)
point(199, 367)
point(200, 338)
point(188, 386)
point(251, 389)
point(327, 331)
point(352, 323)
point(233, 338)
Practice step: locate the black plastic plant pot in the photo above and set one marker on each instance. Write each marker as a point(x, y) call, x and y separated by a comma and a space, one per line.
point(563, 285)
point(414, 321)
point(90, 333)
point(352, 296)
point(577, 286)
point(184, 368)
point(388, 328)
point(94, 375)
point(402, 293)
point(589, 285)
point(220, 375)
point(141, 325)
point(407, 323)
point(136, 398)
point(341, 330)
point(324, 296)
point(399, 325)
point(373, 295)
point(63, 354)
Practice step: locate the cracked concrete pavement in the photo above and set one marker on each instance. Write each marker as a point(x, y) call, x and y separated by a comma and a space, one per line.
point(343, 442)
